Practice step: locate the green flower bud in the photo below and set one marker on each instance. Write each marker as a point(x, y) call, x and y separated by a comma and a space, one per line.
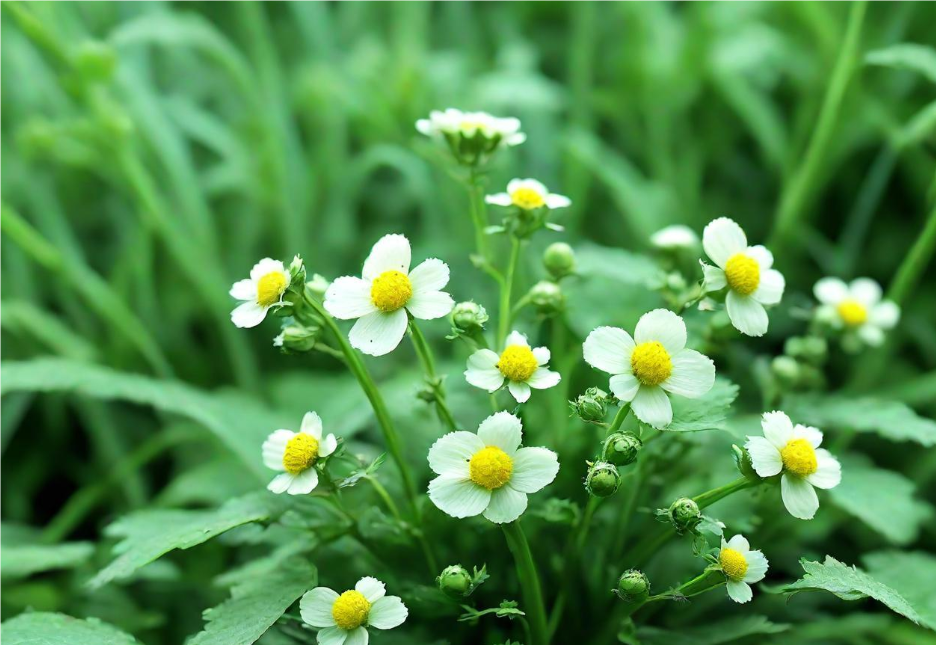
point(559, 259)
point(786, 369)
point(469, 316)
point(603, 479)
point(675, 281)
point(318, 284)
point(633, 585)
point(621, 448)
point(297, 272)
point(808, 349)
point(296, 338)
point(96, 60)
point(547, 297)
point(591, 406)
point(685, 515)
point(455, 581)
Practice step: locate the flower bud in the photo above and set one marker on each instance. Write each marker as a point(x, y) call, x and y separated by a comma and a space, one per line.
point(559, 260)
point(297, 271)
point(675, 237)
point(469, 316)
point(786, 369)
point(621, 448)
point(318, 284)
point(547, 297)
point(603, 479)
point(685, 515)
point(591, 406)
point(455, 581)
point(633, 585)
point(296, 338)
point(808, 349)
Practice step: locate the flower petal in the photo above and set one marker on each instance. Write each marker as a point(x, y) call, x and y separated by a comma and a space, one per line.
point(533, 469)
point(747, 315)
point(739, 543)
point(739, 591)
point(332, 636)
point(871, 335)
point(765, 457)
point(430, 305)
point(519, 391)
point(542, 355)
point(304, 483)
point(357, 636)
point(866, 291)
point(693, 374)
point(378, 333)
point(624, 386)
point(516, 338)
point(328, 445)
point(777, 428)
point(885, 315)
point(349, 297)
point(267, 266)
point(609, 350)
point(756, 567)
point(714, 279)
point(248, 314)
point(281, 483)
point(244, 290)
point(450, 453)
point(312, 425)
point(810, 434)
point(499, 199)
point(387, 613)
point(391, 253)
point(275, 447)
point(430, 275)
point(664, 326)
point(543, 378)
point(554, 201)
point(651, 405)
point(830, 291)
point(507, 504)
point(489, 379)
point(316, 607)
point(828, 471)
point(799, 497)
point(770, 289)
point(761, 255)
point(458, 496)
point(371, 588)
point(501, 429)
point(723, 238)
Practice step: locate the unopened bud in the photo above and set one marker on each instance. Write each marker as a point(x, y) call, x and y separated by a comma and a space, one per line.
point(621, 448)
point(455, 581)
point(603, 479)
point(685, 515)
point(469, 316)
point(296, 338)
point(547, 297)
point(633, 585)
point(591, 406)
point(559, 259)
point(786, 369)
point(318, 284)
point(675, 237)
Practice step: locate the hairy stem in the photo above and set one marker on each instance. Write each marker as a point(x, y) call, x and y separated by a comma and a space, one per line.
point(428, 363)
point(506, 287)
point(529, 582)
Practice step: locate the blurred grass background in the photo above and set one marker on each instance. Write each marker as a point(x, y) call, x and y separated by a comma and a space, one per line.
point(152, 152)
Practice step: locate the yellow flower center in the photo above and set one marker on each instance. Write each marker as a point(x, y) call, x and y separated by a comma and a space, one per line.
point(743, 274)
point(799, 457)
point(270, 287)
point(651, 363)
point(853, 313)
point(732, 563)
point(391, 290)
point(527, 199)
point(350, 610)
point(301, 452)
point(517, 363)
point(490, 467)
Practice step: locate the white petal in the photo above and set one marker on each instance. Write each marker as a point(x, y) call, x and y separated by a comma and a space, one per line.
point(770, 289)
point(349, 297)
point(501, 429)
point(761, 255)
point(304, 483)
point(519, 391)
point(275, 447)
point(312, 425)
point(747, 315)
point(651, 405)
point(714, 279)
point(430, 305)
point(739, 591)
point(624, 386)
point(266, 266)
point(489, 379)
point(332, 636)
point(609, 350)
point(542, 355)
point(507, 504)
point(543, 379)
point(316, 607)
point(483, 359)
point(739, 543)
point(431, 275)
point(387, 613)
point(756, 567)
point(328, 445)
point(884, 315)
point(450, 453)
point(777, 428)
point(799, 497)
point(244, 290)
point(357, 636)
point(458, 496)
point(280, 483)
point(391, 253)
point(872, 335)
point(830, 291)
point(810, 434)
point(499, 199)
point(765, 457)
point(828, 472)
point(371, 588)
point(557, 201)
point(424, 126)
point(723, 238)
point(533, 469)
point(693, 374)
point(866, 291)
point(378, 333)
point(248, 314)
point(516, 338)
point(664, 326)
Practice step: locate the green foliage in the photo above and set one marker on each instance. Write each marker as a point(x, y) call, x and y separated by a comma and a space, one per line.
point(24, 560)
point(708, 412)
point(909, 573)
point(715, 633)
point(890, 419)
point(43, 627)
point(910, 56)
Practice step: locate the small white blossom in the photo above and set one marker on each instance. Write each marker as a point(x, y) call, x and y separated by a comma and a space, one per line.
point(343, 619)
point(675, 237)
point(521, 366)
point(741, 567)
point(528, 194)
point(294, 454)
point(857, 308)
point(264, 289)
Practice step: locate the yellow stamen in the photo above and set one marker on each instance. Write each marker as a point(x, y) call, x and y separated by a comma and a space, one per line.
point(300, 454)
point(743, 274)
point(517, 363)
point(651, 363)
point(391, 290)
point(490, 467)
point(527, 199)
point(799, 457)
point(270, 287)
point(350, 610)
point(732, 563)
point(853, 313)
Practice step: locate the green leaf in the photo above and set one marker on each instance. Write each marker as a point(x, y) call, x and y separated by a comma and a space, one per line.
point(882, 499)
point(723, 631)
point(23, 560)
point(706, 413)
point(614, 263)
point(890, 419)
point(42, 628)
point(910, 573)
point(256, 603)
point(909, 56)
point(850, 583)
point(149, 534)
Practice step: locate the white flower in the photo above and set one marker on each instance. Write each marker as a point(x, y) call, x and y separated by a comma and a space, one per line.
point(506, 131)
point(294, 454)
point(746, 272)
point(265, 287)
point(795, 452)
point(344, 618)
point(528, 194)
point(675, 237)
point(488, 472)
point(387, 291)
point(856, 307)
point(652, 364)
point(521, 366)
point(741, 567)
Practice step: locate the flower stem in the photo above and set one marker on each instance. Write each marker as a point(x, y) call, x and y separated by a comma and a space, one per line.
point(428, 362)
point(506, 287)
point(478, 214)
point(915, 262)
point(619, 418)
point(529, 582)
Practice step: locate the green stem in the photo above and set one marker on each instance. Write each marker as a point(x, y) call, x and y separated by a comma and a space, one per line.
point(710, 497)
point(529, 582)
point(428, 363)
point(385, 497)
point(506, 287)
point(478, 214)
point(619, 418)
point(915, 262)
point(573, 554)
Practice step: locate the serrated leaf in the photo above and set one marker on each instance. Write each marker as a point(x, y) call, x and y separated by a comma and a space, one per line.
point(256, 603)
point(23, 560)
point(890, 419)
point(850, 583)
point(149, 534)
point(716, 633)
point(44, 628)
point(882, 499)
point(910, 573)
point(910, 56)
point(706, 413)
